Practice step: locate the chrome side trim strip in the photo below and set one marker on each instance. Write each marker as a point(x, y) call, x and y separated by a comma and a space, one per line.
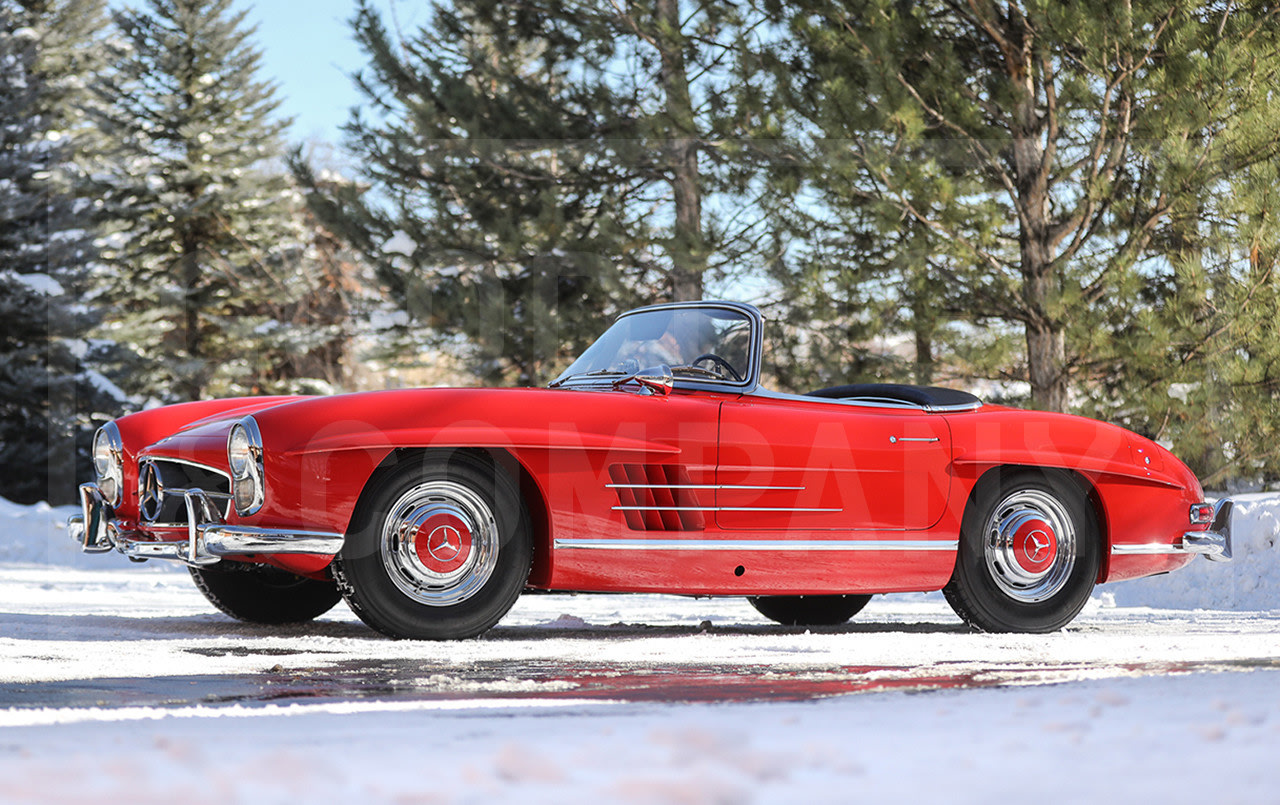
point(758, 544)
point(705, 486)
point(1156, 549)
point(715, 509)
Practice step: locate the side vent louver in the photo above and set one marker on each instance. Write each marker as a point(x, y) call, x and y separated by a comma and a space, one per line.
point(657, 497)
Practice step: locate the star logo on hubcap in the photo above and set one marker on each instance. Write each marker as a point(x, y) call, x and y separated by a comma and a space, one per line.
point(1037, 546)
point(444, 543)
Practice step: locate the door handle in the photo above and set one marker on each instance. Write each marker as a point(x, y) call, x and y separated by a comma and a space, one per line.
point(896, 439)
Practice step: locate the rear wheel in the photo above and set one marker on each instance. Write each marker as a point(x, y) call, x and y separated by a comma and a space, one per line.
point(1029, 553)
point(440, 550)
point(809, 610)
point(264, 594)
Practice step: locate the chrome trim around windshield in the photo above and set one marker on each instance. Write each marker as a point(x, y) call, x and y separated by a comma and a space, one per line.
point(755, 359)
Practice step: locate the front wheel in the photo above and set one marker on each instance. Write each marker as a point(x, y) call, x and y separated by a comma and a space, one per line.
point(1029, 553)
point(440, 550)
point(809, 610)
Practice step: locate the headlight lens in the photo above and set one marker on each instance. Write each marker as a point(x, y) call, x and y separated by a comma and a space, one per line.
point(239, 452)
point(108, 462)
point(244, 457)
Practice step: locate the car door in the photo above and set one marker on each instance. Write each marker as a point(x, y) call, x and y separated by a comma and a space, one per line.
point(823, 465)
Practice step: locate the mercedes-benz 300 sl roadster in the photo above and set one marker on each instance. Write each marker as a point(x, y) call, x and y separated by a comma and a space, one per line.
point(656, 462)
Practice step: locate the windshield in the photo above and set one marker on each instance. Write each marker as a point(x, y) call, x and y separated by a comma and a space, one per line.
point(708, 343)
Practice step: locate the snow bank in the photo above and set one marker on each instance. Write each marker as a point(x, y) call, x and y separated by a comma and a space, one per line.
point(37, 535)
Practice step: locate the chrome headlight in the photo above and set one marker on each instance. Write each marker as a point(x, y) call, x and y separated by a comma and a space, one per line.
point(244, 456)
point(108, 462)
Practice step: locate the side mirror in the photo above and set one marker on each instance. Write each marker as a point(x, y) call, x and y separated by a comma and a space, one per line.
point(654, 379)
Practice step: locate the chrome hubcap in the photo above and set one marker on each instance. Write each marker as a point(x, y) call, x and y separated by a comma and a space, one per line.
point(439, 543)
point(1029, 545)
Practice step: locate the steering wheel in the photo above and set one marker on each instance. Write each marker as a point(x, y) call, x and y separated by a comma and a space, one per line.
point(719, 362)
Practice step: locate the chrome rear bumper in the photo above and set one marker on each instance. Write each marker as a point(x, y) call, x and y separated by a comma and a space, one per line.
point(208, 538)
point(1213, 544)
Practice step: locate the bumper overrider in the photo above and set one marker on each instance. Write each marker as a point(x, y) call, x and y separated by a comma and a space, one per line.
point(208, 540)
point(1215, 543)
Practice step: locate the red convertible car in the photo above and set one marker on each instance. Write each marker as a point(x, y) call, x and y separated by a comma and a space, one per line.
point(655, 463)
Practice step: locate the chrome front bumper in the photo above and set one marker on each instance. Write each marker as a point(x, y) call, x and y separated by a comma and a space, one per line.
point(1213, 544)
point(208, 538)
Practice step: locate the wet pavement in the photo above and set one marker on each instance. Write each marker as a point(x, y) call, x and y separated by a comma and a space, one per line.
point(416, 681)
point(73, 640)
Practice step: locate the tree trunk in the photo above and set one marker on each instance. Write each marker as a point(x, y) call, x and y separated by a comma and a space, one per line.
point(1046, 334)
point(922, 324)
point(191, 384)
point(688, 252)
point(1046, 357)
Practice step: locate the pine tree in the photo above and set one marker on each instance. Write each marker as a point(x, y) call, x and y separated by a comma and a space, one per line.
point(1046, 153)
point(308, 344)
point(49, 397)
point(534, 164)
point(205, 227)
point(1200, 371)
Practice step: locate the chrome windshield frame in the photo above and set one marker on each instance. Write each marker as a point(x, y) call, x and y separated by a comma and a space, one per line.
point(749, 383)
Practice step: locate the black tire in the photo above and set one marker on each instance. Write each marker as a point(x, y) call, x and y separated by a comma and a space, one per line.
point(1029, 553)
point(809, 610)
point(264, 594)
point(440, 549)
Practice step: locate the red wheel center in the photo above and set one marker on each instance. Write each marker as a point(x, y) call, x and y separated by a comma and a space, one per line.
point(1035, 546)
point(443, 543)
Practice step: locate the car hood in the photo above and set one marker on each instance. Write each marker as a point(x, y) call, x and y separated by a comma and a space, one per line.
point(375, 420)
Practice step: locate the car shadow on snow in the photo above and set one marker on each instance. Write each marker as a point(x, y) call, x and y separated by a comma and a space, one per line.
point(100, 628)
point(579, 630)
point(110, 628)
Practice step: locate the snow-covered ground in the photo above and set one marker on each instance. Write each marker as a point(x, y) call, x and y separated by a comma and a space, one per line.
point(119, 683)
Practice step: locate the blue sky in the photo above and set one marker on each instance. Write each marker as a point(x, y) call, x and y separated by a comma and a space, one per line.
point(307, 48)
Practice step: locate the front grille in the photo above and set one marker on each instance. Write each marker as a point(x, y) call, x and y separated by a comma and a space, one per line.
point(162, 483)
